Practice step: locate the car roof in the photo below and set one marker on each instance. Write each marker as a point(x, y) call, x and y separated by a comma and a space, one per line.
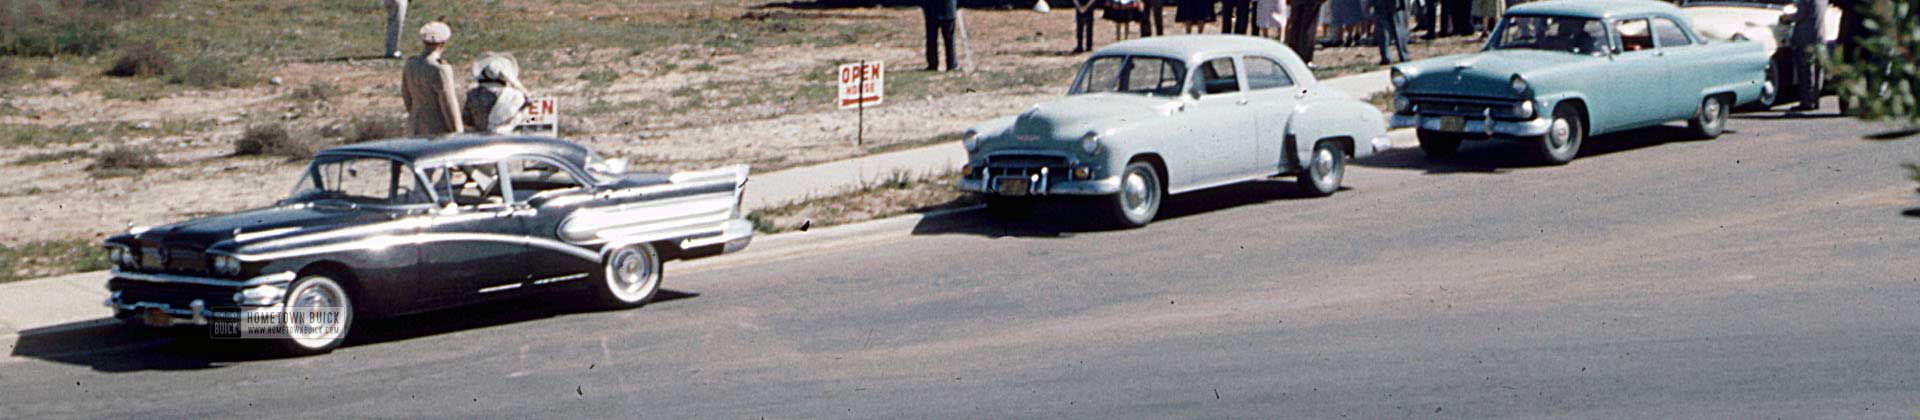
point(1597, 9)
point(461, 148)
point(1189, 47)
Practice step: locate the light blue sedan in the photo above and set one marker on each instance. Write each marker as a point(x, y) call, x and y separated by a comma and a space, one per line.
point(1166, 115)
point(1556, 72)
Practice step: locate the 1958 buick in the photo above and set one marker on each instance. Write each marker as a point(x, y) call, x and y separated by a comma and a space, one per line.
point(1164, 115)
point(404, 226)
point(1556, 72)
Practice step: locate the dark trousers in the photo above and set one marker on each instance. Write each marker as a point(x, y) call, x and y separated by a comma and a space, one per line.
point(1235, 16)
point(1083, 30)
point(1154, 23)
point(938, 30)
point(1459, 17)
point(1425, 14)
point(1807, 44)
point(1303, 28)
point(1391, 27)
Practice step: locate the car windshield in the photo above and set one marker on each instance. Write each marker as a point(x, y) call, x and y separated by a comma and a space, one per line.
point(358, 181)
point(1552, 33)
point(1144, 75)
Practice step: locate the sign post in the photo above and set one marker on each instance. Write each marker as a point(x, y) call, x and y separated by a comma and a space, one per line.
point(862, 84)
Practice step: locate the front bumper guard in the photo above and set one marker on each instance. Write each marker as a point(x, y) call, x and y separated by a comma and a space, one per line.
point(1484, 126)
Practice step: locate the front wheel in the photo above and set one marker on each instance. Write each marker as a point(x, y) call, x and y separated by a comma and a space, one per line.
point(630, 278)
point(1323, 174)
point(1711, 119)
point(1563, 138)
point(1139, 198)
point(317, 317)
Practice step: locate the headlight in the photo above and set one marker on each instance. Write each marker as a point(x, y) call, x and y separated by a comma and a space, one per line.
point(226, 265)
point(1090, 143)
point(1524, 109)
point(971, 140)
point(1519, 85)
point(1401, 104)
point(260, 295)
point(1399, 79)
point(118, 256)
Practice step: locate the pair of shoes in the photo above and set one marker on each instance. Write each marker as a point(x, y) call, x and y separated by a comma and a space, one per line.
point(1383, 62)
point(933, 68)
point(1078, 50)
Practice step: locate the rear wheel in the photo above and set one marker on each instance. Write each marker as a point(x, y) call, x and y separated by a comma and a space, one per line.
point(318, 315)
point(1711, 119)
point(1563, 138)
point(1438, 145)
point(1322, 175)
point(1139, 198)
point(630, 277)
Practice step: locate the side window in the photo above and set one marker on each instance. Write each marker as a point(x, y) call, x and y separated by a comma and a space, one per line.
point(1217, 76)
point(1669, 33)
point(1634, 35)
point(529, 177)
point(1264, 73)
point(469, 186)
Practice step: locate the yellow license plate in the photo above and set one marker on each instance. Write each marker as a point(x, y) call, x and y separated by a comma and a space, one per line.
point(1015, 186)
point(1453, 124)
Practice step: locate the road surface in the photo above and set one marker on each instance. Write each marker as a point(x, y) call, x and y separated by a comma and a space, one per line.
point(1769, 273)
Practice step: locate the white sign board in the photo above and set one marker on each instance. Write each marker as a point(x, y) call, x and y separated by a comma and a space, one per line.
point(862, 84)
point(543, 115)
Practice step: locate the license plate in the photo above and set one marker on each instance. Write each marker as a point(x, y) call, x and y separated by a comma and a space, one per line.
point(157, 317)
point(1453, 124)
point(1015, 186)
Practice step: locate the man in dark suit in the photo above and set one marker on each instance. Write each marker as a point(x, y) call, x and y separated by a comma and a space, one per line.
point(1390, 26)
point(1234, 15)
point(1083, 24)
point(940, 16)
point(1153, 23)
point(1303, 27)
point(1806, 43)
point(1459, 16)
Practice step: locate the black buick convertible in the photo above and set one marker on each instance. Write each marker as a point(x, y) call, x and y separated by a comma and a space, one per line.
point(405, 226)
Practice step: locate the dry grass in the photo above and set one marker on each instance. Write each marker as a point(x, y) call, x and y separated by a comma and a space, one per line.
point(124, 161)
point(899, 193)
point(49, 258)
point(272, 140)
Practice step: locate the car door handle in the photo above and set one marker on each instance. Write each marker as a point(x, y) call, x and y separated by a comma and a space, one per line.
point(1242, 101)
point(1301, 94)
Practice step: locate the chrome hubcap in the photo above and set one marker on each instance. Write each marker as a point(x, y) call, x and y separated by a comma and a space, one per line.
point(1710, 113)
point(1561, 134)
point(316, 314)
point(1324, 168)
point(1138, 191)
point(630, 275)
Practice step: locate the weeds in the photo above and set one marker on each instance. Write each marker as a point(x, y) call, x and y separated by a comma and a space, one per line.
point(60, 156)
point(141, 59)
point(316, 93)
point(271, 140)
point(900, 192)
point(124, 161)
point(50, 258)
point(599, 78)
point(208, 73)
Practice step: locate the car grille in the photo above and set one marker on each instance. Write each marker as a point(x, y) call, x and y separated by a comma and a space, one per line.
point(156, 258)
point(1024, 165)
point(1462, 106)
point(172, 295)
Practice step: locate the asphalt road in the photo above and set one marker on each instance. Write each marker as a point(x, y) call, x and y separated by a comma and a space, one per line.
point(1770, 273)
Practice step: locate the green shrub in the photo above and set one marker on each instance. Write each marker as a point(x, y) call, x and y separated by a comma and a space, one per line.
point(1882, 82)
point(123, 161)
point(271, 140)
point(141, 59)
point(47, 28)
point(209, 72)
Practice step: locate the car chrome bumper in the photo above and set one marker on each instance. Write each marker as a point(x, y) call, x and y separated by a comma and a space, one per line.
point(1097, 186)
point(196, 312)
point(1483, 127)
point(733, 237)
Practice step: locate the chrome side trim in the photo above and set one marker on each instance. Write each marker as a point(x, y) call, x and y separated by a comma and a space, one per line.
point(501, 288)
point(551, 280)
point(422, 238)
point(281, 277)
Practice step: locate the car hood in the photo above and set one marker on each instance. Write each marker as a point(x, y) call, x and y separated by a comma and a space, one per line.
point(1071, 117)
point(1723, 22)
point(259, 224)
point(1484, 74)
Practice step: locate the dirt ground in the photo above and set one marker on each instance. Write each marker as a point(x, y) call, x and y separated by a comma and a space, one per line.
point(754, 87)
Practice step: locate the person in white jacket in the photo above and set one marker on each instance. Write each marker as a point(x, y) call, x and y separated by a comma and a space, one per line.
point(497, 101)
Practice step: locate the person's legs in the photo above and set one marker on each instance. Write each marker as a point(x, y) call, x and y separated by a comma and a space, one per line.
point(1082, 31)
point(933, 45)
point(396, 21)
point(1807, 78)
point(1245, 23)
point(946, 32)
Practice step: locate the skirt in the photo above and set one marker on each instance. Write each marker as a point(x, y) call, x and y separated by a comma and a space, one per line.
point(1489, 8)
point(1194, 11)
point(1270, 14)
point(1347, 12)
point(1129, 12)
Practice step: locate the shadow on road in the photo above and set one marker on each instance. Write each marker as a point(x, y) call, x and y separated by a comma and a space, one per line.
point(1061, 217)
point(1497, 156)
point(114, 347)
point(1912, 212)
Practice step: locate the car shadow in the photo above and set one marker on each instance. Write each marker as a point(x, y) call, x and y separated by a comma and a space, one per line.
point(1499, 156)
point(109, 346)
point(1063, 217)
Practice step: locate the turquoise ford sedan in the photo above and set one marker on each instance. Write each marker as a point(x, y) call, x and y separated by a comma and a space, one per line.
point(1158, 116)
point(1556, 72)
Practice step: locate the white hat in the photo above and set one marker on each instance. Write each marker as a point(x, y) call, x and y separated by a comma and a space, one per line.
point(435, 33)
